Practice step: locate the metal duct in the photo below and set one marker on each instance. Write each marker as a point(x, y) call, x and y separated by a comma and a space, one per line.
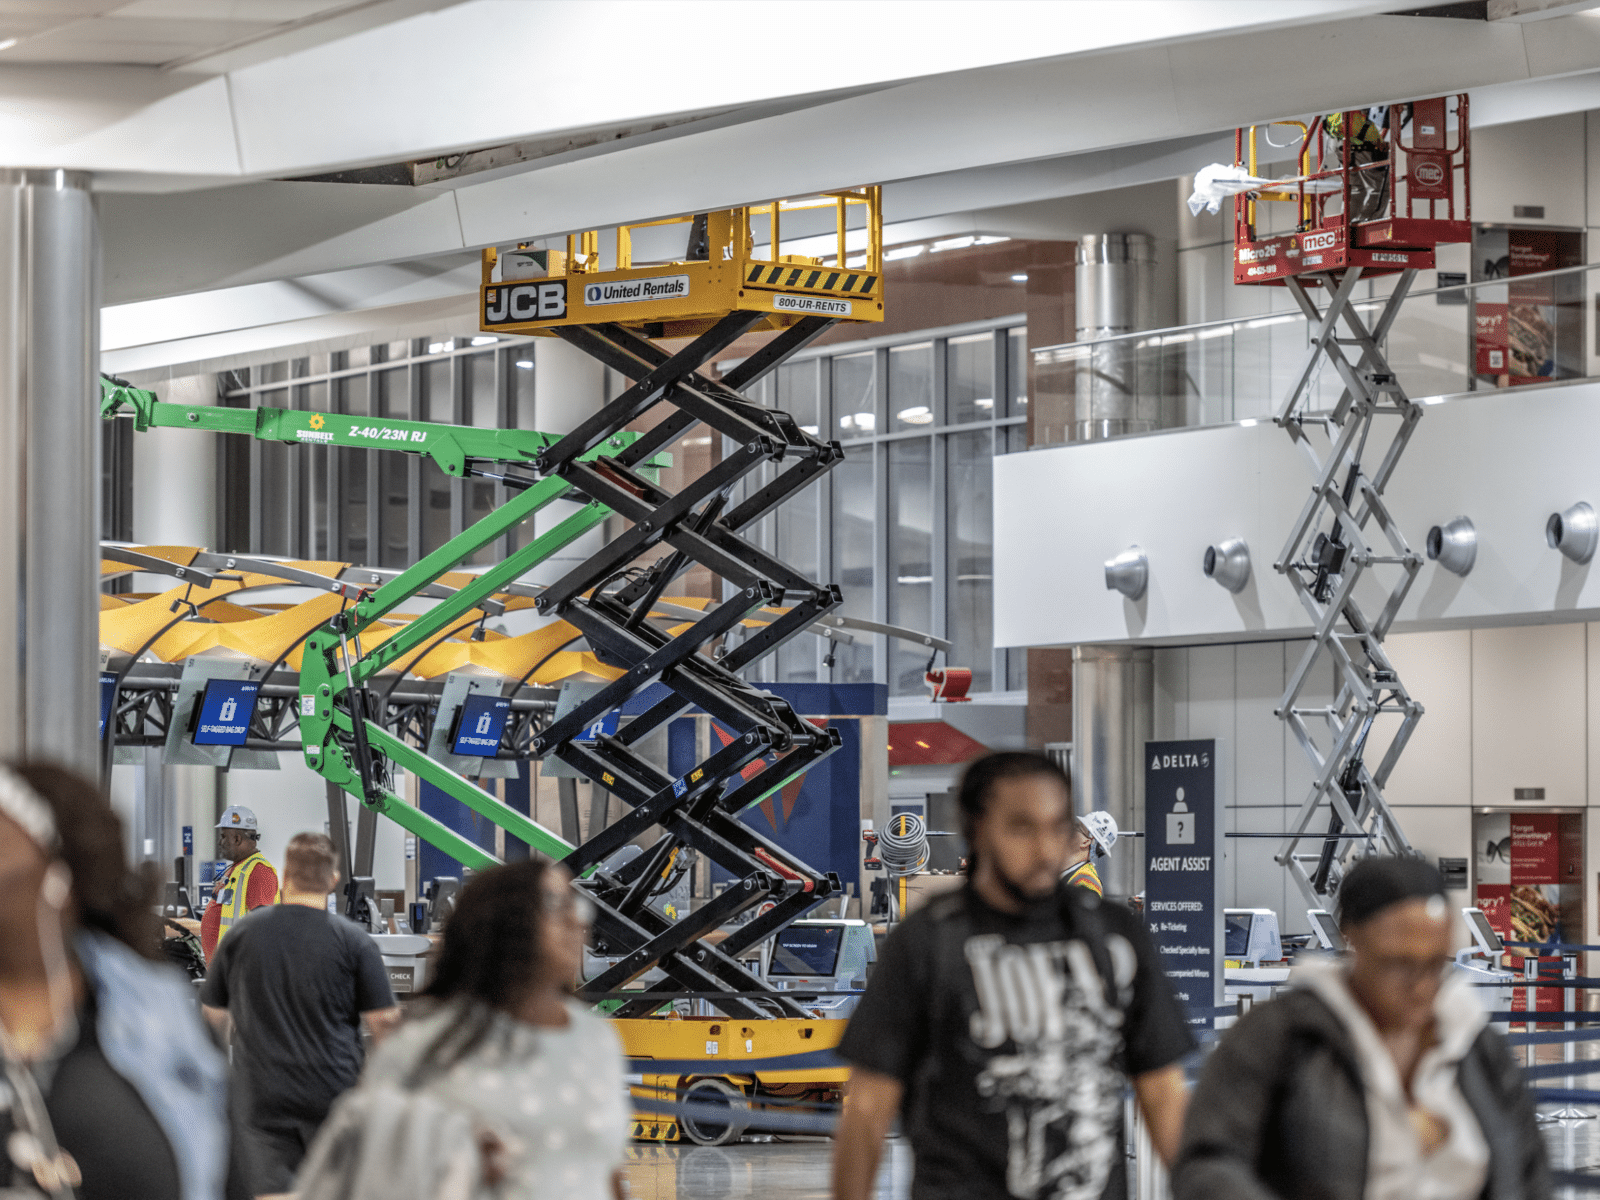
point(1128, 573)
point(1454, 545)
point(1228, 562)
point(1121, 387)
point(1573, 531)
point(1113, 707)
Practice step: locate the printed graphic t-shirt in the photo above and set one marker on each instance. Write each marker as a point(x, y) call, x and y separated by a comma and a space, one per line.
point(1013, 1036)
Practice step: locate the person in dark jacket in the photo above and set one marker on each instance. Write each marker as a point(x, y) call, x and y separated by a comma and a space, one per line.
point(1374, 1078)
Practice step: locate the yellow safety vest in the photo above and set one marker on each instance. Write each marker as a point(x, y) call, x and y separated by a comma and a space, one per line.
point(235, 887)
point(1366, 133)
point(1085, 876)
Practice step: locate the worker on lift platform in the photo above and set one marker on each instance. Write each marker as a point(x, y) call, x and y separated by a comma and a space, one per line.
point(1093, 835)
point(1369, 185)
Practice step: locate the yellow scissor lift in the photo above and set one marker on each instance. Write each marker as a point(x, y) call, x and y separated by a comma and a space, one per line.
point(733, 279)
point(598, 295)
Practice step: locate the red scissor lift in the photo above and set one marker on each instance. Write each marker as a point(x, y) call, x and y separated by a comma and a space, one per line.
point(1429, 200)
point(1345, 528)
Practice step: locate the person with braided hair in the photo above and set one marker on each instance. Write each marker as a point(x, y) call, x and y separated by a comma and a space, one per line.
point(501, 1080)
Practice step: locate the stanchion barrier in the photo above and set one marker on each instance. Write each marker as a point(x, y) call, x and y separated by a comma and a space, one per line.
point(1561, 1069)
point(766, 1116)
point(809, 1060)
point(1552, 1037)
point(1578, 1180)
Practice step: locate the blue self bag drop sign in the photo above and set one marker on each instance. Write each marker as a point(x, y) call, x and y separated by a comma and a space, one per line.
point(478, 728)
point(1183, 852)
point(226, 707)
point(108, 689)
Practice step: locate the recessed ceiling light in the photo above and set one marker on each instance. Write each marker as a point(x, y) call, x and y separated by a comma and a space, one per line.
point(1019, 279)
point(8, 43)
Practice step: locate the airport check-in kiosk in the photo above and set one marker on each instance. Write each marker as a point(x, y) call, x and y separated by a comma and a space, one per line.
point(1251, 938)
point(822, 956)
point(404, 960)
point(1480, 962)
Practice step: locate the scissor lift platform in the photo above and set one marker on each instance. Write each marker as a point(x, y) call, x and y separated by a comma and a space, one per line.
point(1429, 201)
point(537, 291)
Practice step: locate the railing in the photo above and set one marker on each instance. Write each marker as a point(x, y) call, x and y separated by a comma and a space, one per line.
point(1532, 328)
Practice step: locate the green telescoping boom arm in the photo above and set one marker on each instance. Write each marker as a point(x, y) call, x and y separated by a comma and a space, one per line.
point(338, 736)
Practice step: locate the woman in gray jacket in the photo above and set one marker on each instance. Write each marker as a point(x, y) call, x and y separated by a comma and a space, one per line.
point(1374, 1078)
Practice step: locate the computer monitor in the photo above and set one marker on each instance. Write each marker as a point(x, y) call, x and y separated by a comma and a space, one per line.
point(1251, 934)
point(1483, 933)
point(1236, 934)
point(811, 950)
point(479, 723)
point(175, 901)
point(222, 715)
point(1325, 929)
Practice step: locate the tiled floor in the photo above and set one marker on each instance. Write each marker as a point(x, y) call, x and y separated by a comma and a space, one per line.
point(792, 1169)
point(797, 1168)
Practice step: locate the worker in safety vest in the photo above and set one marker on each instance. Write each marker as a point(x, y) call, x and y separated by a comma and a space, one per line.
point(1092, 837)
point(249, 882)
point(1369, 188)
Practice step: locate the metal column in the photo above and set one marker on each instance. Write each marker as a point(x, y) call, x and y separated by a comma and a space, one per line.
point(1121, 387)
point(1113, 705)
point(49, 467)
point(1326, 556)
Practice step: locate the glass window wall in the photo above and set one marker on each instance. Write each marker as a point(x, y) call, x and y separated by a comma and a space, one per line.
point(903, 525)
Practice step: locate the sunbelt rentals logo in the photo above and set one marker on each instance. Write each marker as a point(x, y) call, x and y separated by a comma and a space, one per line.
point(316, 433)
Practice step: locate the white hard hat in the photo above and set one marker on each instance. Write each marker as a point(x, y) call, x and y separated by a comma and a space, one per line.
point(1101, 828)
point(237, 816)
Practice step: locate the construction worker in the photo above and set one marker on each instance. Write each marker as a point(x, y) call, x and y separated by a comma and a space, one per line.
point(249, 882)
point(1369, 185)
point(1093, 835)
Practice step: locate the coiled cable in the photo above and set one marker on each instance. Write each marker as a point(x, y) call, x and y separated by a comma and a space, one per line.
point(903, 845)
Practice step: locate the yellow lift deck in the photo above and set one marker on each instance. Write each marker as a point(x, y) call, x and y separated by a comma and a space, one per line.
point(733, 263)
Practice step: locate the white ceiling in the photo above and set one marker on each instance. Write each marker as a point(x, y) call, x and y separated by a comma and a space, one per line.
point(644, 108)
point(198, 36)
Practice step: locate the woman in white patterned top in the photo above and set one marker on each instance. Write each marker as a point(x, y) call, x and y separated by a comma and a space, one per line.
point(501, 1039)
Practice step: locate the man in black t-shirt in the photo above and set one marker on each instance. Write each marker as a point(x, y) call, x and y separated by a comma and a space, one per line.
point(1003, 1019)
point(294, 982)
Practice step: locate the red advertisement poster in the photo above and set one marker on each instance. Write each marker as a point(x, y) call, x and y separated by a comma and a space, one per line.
point(1489, 338)
point(1531, 251)
point(1535, 848)
point(1529, 330)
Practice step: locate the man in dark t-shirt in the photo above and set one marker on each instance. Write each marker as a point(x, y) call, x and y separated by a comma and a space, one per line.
point(294, 982)
point(1003, 1019)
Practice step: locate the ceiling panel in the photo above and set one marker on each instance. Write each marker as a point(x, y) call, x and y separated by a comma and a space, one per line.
point(147, 54)
point(273, 12)
point(150, 32)
point(56, 11)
